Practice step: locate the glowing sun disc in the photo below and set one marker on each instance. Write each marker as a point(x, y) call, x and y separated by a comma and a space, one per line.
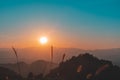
point(43, 40)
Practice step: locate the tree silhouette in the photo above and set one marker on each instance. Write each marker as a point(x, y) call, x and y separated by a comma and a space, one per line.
point(85, 67)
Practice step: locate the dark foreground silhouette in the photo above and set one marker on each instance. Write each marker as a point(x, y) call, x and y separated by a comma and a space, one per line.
point(85, 67)
point(82, 67)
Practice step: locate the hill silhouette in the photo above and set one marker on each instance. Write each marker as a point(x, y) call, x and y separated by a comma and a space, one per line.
point(81, 67)
point(37, 67)
point(85, 67)
point(6, 74)
point(7, 55)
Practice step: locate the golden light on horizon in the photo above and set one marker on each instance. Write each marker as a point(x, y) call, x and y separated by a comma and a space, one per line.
point(43, 40)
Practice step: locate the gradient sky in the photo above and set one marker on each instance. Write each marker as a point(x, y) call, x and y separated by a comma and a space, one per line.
point(86, 24)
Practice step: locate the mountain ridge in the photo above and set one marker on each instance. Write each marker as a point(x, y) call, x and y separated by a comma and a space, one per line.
point(35, 53)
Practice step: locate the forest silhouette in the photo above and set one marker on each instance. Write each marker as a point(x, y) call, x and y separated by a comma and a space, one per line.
point(82, 67)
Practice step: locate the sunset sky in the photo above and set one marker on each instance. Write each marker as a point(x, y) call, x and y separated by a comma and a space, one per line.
point(85, 24)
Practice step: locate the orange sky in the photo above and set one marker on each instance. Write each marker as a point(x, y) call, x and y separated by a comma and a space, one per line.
point(66, 23)
point(58, 41)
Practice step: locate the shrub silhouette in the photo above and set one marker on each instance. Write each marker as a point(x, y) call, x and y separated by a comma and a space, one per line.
point(85, 67)
point(7, 74)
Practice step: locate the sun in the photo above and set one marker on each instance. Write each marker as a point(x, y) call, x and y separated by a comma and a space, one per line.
point(43, 40)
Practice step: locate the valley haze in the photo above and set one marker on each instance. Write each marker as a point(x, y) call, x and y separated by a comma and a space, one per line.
point(32, 54)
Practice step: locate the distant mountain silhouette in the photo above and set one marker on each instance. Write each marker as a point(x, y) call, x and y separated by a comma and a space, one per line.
point(36, 67)
point(85, 67)
point(81, 67)
point(7, 55)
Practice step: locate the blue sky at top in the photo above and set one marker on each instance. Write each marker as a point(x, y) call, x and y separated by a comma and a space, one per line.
point(86, 19)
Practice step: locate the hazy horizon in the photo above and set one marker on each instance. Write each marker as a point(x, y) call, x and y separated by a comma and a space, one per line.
point(31, 54)
point(59, 47)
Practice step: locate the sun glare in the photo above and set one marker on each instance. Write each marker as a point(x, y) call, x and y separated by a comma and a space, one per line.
point(43, 40)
